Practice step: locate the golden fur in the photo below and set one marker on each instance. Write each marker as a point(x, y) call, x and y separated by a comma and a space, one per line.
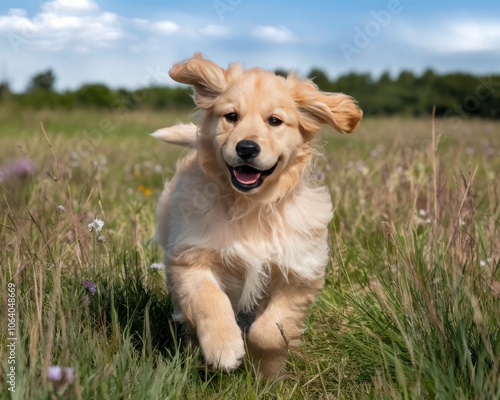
point(247, 235)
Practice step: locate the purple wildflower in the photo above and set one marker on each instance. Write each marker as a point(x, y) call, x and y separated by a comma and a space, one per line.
point(60, 377)
point(54, 373)
point(20, 170)
point(90, 286)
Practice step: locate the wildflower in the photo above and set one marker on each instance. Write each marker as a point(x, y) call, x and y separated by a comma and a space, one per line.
point(156, 266)
point(362, 168)
point(54, 373)
point(420, 218)
point(377, 151)
point(60, 208)
point(18, 170)
point(60, 377)
point(69, 374)
point(101, 239)
point(147, 191)
point(470, 151)
point(90, 286)
point(96, 225)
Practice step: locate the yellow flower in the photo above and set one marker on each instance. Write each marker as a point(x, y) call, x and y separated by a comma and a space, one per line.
point(147, 191)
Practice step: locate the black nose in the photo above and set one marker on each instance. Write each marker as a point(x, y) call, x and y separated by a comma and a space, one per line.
point(247, 149)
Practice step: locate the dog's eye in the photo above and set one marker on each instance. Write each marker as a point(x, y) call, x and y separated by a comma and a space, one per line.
point(275, 121)
point(231, 117)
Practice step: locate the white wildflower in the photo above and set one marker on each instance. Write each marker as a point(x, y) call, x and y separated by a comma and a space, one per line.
point(60, 208)
point(101, 239)
point(421, 217)
point(156, 266)
point(96, 225)
point(362, 168)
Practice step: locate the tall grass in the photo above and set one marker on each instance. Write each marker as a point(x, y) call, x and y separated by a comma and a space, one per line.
point(411, 302)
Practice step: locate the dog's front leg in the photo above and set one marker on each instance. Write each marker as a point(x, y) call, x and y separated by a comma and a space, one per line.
point(279, 323)
point(208, 312)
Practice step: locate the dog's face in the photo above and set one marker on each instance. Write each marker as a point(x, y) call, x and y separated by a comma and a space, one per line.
point(257, 126)
point(257, 129)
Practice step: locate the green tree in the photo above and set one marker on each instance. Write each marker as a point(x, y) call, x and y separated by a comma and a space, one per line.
point(95, 95)
point(320, 78)
point(281, 72)
point(4, 90)
point(43, 80)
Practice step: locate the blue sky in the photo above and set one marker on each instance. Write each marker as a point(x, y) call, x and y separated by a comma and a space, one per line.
point(134, 44)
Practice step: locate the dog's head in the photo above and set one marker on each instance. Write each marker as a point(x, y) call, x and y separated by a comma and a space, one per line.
point(257, 126)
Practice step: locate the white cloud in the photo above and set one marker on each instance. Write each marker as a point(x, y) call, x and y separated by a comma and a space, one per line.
point(166, 27)
point(70, 6)
point(70, 35)
point(459, 36)
point(61, 25)
point(17, 12)
point(278, 34)
point(15, 20)
point(215, 31)
point(140, 22)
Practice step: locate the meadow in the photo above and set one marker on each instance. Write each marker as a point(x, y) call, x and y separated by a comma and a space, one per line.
point(411, 303)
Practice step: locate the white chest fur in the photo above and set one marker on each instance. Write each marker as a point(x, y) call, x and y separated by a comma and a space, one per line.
point(290, 235)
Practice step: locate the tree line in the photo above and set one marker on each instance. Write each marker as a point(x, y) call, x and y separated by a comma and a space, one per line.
point(453, 94)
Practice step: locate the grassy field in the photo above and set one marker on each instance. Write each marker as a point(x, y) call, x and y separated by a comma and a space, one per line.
point(411, 304)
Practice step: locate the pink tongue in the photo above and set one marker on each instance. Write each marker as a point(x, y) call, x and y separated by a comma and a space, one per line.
point(245, 176)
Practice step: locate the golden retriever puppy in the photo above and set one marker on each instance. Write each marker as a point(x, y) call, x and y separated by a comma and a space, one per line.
point(243, 225)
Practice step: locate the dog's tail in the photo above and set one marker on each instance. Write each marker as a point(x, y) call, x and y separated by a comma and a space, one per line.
point(180, 134)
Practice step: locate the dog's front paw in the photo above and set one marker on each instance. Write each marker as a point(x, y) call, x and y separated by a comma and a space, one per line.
point(222, 346)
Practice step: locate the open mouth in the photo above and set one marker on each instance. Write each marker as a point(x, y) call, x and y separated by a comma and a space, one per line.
point(246, 178)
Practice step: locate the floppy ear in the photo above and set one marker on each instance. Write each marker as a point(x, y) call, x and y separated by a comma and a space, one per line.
point(208, 79)
point(318, 108)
